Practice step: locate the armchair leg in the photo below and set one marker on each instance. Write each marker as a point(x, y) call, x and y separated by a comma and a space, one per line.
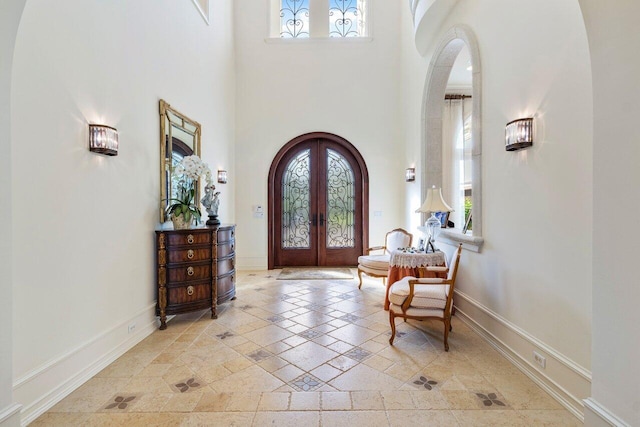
point(447, 328)
point(360, 277)
point(392, 320)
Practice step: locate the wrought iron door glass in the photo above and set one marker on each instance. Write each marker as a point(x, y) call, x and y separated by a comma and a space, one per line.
point(296, 187)
point(341, 205)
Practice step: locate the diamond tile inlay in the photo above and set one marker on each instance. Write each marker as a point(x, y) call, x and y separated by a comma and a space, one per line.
point(260, 355)
point(358, 354)
point(306, 382)
point(310, 334)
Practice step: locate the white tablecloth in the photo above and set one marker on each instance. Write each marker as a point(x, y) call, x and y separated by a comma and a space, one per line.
point(418, 259)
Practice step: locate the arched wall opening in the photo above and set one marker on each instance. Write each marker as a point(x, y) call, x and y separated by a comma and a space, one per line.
point(435, 87)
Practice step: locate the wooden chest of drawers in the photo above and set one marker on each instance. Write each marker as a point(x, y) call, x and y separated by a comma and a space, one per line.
point(195, 270)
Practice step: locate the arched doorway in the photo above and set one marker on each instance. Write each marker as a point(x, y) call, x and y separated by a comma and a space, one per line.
point(318, 203)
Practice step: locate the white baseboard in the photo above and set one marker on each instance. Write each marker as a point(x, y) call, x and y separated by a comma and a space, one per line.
point(43, 387)
point(10, 416)
point(596, 415)
point(251, 263)
point(565, 380)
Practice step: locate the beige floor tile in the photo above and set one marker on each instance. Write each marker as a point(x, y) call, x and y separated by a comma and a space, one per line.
point(429, 399)
point(52, 419)
point(363, 377)
point(343, 363)
point(287, 419)
point(326, 372)
point(422, 418)
point(268, 335)
point(490, 419)
point(308, 356)
point(550, 418)
point(288, 373)
point(305, 401)
point(214, 373)
point(277, 347)
point(355, 418)
point(237, 365)
point(461, 399)
point(184, 402)
point(135, 419)
point(274, 402)
point(397, 399)
point(353, 334)
point(152, 402)
point(243, 402)
point(253, 378)
point(272, 364)
point(227, 419)
point(367, 400)
point(335, 400)
point(213, 402)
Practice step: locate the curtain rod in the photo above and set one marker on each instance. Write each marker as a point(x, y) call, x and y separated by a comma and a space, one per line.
point(456, 96)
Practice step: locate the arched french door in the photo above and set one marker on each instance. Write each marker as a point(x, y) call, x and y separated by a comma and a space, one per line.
point(318, 203)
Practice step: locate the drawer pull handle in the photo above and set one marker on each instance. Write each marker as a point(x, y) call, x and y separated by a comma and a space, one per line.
point(190, 290)
point(190, 254)
point(190, 238)
point(190, 271)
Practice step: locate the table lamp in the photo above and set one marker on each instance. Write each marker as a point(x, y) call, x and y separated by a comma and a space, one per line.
point(432, 204)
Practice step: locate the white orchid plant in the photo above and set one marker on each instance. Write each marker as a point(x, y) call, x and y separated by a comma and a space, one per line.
point(187, 172)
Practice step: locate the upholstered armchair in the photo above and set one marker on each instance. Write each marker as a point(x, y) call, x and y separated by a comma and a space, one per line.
point(377, 265)
point(428, 298)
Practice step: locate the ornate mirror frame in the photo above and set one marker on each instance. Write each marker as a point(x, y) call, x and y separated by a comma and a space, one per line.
point(179, 136)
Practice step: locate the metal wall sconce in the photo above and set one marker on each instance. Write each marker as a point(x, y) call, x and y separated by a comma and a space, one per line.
point(103, 139)
point(222, 176)
point(518, 134)
point(410, 174)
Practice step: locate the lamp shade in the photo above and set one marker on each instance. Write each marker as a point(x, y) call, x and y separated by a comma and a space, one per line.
point(103, 139)
point(434, 202)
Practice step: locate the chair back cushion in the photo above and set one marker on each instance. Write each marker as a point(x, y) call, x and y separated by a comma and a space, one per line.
point(397, 239)
point(453, 264)
point(425, 296)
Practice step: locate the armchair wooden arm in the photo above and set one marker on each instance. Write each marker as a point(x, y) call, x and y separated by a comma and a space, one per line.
point(375, 248)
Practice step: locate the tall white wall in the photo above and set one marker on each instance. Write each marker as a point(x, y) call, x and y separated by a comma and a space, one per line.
point(530, 287)
point(346, 87)
point(83, 224)
point(613, 38)
point(10, 12)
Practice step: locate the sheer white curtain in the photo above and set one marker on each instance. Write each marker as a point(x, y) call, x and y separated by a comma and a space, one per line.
point(456, 112)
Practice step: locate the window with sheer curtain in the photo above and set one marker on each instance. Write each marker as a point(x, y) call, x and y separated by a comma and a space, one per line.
point(456, 158)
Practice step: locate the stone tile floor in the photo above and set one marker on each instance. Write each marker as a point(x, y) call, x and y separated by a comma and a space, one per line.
point(307, 353)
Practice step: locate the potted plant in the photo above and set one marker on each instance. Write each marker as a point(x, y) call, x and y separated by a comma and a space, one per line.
point(184, 208)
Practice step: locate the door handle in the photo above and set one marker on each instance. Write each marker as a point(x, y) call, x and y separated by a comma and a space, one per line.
point(321, 220)
point(314, 220)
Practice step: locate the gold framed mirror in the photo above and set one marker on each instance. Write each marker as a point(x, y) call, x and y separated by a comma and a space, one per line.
point(179, 137)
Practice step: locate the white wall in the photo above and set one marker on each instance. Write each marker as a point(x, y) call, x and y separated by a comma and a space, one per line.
point(349, 88)
point(10, 12)
point(83, 240)
point(531, 285)
point(613, 41)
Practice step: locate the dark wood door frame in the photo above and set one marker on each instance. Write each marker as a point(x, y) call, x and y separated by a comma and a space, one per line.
point(292, 145)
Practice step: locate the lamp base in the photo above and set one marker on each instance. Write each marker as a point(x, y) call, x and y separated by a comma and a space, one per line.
point(429, 245)
point(213, 220)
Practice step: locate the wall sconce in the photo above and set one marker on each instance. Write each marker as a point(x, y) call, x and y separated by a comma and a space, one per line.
point(222, 176)
point(518, 134)
point(103, 139)
point(410, 174)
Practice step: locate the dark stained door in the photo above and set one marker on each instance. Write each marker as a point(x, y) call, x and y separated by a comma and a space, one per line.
point(317, 209)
